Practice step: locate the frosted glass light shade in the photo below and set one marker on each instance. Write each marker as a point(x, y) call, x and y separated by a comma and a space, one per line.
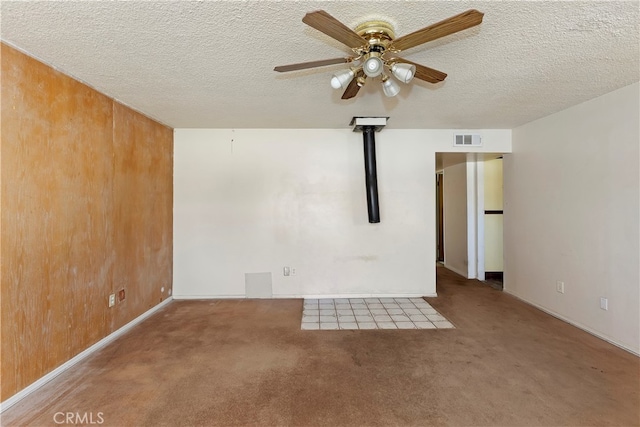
point(390, 88)
point(342, 79)
point(404, 72)
point(373, 66)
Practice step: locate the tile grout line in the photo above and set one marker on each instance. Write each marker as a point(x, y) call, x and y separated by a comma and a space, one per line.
point(333, 303)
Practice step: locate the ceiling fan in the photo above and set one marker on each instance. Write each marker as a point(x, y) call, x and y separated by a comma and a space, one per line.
point(374, 48)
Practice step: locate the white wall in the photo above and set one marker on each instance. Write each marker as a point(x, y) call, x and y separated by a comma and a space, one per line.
point(250, 201)
point(455, 218)
point(572, 214)
point(493, 200)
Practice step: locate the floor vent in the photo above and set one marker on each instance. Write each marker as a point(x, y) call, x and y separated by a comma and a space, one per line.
point(258, 285)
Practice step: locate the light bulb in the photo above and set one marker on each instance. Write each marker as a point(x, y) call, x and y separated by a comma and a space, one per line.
point(390, 87)
point(342, 79)
point(373, 66)
point(403, 72)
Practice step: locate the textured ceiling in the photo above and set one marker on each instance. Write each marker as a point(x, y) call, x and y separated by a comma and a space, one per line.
point(210, 63)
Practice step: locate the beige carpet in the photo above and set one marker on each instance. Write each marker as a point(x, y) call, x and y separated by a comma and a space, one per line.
point(247, 362)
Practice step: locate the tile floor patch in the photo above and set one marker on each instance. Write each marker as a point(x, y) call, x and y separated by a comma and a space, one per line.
point(371, 313)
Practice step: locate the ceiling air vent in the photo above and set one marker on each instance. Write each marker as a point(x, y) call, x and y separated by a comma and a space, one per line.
point(467, 140)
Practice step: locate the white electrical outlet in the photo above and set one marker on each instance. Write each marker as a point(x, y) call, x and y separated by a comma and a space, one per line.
point(293, 271)
point(286, 271)
point(162, 289)
point(604, 303)
point(112, 300)
point(560, 286)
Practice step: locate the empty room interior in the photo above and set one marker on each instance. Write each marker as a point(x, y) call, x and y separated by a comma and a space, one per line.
point(312, 213)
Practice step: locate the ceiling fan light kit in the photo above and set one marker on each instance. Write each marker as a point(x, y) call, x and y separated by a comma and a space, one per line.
point(371, 41)
point(403, 72)
point(390, 87)
point(342, 79)
point(373, 65)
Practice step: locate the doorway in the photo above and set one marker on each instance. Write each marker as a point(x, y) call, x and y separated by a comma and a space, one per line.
point(493, 222)
point(440, 217)
point(469, 214)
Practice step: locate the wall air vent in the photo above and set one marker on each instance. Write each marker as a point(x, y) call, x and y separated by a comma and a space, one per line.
point(467, 140)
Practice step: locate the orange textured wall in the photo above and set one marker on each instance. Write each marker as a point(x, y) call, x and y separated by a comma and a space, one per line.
point(86, 210)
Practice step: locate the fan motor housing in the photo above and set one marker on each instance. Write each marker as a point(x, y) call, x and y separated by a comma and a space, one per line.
point(380, 28)
point(377, 33)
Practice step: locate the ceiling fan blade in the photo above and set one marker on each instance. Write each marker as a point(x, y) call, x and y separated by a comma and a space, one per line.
point(443, 28)
point(352, 89)
point(423, 73)
point(311, 64)
point(322, 21)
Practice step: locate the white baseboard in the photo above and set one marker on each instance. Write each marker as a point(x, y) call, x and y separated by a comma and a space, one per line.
point(79, 357)
point(191, 297)
point(336, 296)
point(455, 270)
point(576, 324)
point(301, 296)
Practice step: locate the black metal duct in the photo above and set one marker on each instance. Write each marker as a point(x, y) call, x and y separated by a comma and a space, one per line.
point(371, 176)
